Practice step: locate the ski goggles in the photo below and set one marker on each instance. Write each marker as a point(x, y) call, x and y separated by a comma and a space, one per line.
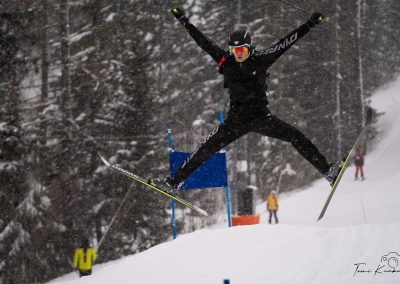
point(240, 48)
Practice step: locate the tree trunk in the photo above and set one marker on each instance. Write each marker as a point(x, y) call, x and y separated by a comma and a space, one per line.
point(360, 70)
point(338, 78)
point(65, 62)
point(44, 71)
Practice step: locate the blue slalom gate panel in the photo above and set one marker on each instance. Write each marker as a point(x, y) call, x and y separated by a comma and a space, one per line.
point(212, 173)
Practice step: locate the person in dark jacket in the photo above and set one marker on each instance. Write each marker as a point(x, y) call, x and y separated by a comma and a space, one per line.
point(245, 72)
point(359, 163)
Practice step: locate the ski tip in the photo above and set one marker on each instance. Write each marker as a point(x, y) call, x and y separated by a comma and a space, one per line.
point(204, 212)
point(104, 160)
point(199, 210)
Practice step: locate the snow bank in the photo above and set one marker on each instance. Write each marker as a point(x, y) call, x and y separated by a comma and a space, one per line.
point(258, 254)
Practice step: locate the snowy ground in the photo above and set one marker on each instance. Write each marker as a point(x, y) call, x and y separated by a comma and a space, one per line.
point(361, 225)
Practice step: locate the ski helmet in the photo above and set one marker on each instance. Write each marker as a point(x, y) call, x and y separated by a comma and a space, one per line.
point(239, 37)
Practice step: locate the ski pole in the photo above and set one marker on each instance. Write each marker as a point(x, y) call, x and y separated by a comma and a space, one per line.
point(112, 221)
point(296, 7)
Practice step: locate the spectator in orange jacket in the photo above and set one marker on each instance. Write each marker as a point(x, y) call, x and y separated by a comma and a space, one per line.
point(272, 206)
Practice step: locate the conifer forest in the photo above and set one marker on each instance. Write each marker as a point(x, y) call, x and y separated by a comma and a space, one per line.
point(82, 77)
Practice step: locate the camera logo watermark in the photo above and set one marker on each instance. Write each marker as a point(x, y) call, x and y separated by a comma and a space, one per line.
point(389, 264)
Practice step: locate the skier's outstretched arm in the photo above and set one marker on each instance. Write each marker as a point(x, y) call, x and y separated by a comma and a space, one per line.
point(271, 54)
point(204, 42)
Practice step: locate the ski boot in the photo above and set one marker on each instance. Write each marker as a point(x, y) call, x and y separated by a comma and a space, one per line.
point(333, 172)
point(165, 185)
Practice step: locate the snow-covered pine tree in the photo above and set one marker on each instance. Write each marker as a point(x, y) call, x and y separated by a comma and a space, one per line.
point(13, 150)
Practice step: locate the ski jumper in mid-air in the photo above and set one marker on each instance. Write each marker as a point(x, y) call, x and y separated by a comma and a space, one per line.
point(245, 72)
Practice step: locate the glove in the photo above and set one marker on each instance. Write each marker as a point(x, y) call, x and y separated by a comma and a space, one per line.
point(315, 19)
point(180, 15)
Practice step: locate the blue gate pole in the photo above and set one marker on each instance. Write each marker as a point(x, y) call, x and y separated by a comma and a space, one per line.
point(170, 149)
point(228, 202)
point(173, 219)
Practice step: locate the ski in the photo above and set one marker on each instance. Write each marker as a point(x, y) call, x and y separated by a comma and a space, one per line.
point(143, 181)
point(367, 122)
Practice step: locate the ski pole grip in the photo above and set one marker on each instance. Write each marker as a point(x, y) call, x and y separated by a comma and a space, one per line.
point(316, 18)
point(180, 15)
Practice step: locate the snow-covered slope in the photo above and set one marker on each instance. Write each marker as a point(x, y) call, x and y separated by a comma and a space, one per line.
point(375, 200)
point(361, 226)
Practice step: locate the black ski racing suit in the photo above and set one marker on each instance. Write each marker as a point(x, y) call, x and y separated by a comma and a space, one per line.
point(248, 110)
